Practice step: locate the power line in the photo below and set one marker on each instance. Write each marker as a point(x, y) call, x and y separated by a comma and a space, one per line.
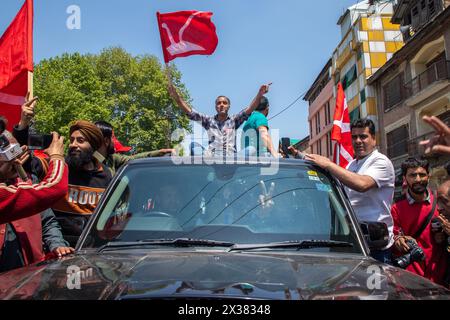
point(303, 94)
point(289, 106)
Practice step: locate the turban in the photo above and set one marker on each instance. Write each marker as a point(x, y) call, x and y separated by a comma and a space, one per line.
point(90, 132)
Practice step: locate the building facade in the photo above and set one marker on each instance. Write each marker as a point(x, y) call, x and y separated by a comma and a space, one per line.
point(415, 82)
point(369, 40)
point(321, 99)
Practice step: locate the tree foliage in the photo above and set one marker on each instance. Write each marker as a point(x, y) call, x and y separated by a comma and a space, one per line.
point(128, 91)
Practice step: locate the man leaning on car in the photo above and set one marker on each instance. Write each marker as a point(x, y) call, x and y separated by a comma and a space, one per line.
point(369, 181)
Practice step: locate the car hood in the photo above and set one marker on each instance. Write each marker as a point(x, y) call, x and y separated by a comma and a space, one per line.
point(140, 274)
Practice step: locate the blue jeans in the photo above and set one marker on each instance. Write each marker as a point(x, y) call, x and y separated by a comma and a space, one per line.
point(384, 256)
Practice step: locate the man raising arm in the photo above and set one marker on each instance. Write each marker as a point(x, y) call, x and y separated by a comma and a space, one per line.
point(221, 128)
point(256, 132)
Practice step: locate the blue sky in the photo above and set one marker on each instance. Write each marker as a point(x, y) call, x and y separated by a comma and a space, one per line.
point(286, 42)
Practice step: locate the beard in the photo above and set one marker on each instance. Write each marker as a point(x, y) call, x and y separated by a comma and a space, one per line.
point(418, 188)
point(76, 160)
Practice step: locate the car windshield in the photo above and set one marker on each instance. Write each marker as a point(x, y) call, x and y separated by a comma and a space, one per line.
point(229, 203)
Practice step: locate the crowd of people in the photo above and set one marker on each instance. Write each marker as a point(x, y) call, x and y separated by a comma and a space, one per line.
point(44, 215)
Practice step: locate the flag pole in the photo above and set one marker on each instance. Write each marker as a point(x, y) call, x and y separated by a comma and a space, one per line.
point(169, 79)
point(168, 74)
point(32, 128)
point(30, 84)
point(30, 20)
point(337, 151)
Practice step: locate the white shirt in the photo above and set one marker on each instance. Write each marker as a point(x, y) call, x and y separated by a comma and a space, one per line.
point(375, 204)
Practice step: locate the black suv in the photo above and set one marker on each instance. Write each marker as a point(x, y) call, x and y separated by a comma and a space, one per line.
point(197, 228)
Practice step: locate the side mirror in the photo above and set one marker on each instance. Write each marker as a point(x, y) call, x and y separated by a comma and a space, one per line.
point(376, 234)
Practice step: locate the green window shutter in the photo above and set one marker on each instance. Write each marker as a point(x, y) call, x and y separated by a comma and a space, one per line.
point(349, 77)
point(363, 96)
point(359, 54)
point(355, 115)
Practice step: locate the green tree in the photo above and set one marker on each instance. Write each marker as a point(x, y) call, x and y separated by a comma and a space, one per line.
point(128, 91)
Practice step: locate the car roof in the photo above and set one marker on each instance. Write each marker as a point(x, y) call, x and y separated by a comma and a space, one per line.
point(198, 160)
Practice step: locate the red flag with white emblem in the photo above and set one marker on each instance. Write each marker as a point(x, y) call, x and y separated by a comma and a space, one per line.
point(186, 33)
point(343, 149)
point(16, 60)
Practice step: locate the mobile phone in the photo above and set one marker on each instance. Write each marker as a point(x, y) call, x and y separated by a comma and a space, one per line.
point(285, 144)
point(39, 141)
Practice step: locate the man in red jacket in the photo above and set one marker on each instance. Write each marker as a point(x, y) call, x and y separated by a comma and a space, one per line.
point(21, 203)
point(412, 215)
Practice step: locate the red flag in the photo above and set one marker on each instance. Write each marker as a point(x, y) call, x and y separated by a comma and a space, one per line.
point(186, 33)
point(16, 60)
point(119, 147)
point(343, 150)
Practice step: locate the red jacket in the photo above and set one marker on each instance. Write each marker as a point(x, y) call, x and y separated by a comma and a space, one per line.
point(409, 218)
point(21, 204)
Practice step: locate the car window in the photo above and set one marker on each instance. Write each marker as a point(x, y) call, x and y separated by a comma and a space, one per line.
point(233, 203)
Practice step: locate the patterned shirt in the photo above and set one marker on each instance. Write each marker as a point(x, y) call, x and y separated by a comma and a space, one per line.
point(221, 134)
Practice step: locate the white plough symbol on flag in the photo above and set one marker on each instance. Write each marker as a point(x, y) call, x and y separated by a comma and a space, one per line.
point(182, 46)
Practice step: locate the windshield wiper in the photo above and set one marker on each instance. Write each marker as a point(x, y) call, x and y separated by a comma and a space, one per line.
point(180, 242)
point(299, 244)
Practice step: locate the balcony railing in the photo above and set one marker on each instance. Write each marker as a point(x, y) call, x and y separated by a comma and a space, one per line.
point(436, 72)
point(419, 15)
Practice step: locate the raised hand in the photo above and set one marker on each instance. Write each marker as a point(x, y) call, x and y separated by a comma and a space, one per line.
point(57, 146)
point(440, 142)
point(27, 114)
point(254, 104)
point(264, 89)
